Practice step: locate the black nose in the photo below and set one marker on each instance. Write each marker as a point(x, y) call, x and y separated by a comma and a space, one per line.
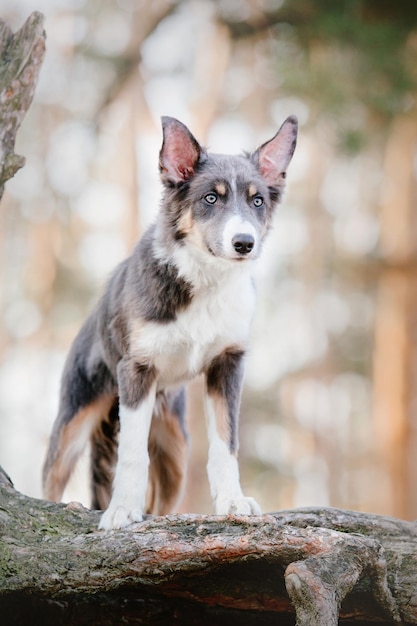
point(243, 243)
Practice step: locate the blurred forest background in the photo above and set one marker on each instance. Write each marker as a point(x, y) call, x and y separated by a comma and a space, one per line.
point(329, 412)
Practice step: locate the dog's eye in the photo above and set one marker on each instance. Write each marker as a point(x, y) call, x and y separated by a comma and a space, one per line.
point(258, 201)
point(211, 198)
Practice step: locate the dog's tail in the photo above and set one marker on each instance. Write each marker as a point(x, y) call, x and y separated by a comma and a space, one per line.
point(88, 393)
point(69, 437)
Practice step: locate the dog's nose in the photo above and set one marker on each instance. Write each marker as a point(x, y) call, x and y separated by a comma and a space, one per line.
point(243, 243)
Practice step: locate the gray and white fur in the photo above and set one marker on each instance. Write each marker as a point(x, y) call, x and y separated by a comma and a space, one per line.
point(181, 305)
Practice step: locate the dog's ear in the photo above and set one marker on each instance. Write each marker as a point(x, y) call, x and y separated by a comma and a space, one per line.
point(274, 156)
point(180, 152)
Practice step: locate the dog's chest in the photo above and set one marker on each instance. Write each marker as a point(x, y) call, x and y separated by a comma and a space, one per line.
point(217, 318)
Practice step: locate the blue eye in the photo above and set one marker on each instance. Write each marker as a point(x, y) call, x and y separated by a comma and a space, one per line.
point(210, 198)
point(258, 201)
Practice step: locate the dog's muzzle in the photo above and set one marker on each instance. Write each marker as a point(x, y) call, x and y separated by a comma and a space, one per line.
point(243, 243)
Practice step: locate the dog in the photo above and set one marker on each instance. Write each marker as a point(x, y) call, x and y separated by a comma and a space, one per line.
point(181, 305)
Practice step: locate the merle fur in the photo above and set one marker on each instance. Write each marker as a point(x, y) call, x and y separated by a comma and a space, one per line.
point(147, 288)
point(224, 378)
point(103, 458)
point(158, 295)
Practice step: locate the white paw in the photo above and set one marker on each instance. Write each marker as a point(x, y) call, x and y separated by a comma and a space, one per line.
point(239, 505)
point(119, 517)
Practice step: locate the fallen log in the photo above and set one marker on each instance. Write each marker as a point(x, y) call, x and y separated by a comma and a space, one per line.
point(309, 567)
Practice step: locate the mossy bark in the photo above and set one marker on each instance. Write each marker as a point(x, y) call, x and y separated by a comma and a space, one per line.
point(309, 567)
point(21, 56)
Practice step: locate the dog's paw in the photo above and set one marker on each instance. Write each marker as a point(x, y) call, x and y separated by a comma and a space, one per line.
point(119, 517)
point(240, 505)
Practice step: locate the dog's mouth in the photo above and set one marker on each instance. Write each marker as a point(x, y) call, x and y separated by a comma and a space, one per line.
point(239, 257)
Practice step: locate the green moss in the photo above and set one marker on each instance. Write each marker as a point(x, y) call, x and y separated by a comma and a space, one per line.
point(8, 566)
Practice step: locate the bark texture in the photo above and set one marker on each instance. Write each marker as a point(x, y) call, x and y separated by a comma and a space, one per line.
point(21, 56)
point(305, 567)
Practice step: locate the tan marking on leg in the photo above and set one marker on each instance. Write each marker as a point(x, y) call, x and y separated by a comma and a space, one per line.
point(222, 417)
point(168, 453)
point(69, 444)
point(104, 444)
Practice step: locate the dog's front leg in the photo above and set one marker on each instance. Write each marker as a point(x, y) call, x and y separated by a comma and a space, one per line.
point(137, 391)
point(222, 400)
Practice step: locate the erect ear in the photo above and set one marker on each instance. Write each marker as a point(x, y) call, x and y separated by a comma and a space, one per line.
point(274, 156)
point(180, 152)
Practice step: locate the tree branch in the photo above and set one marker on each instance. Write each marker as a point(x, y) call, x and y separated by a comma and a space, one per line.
point(53, 561)
point(21, 56)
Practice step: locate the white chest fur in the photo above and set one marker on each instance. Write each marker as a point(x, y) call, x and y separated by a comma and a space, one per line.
point(219, 316)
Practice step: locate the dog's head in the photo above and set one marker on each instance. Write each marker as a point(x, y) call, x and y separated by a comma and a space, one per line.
point(221, 204)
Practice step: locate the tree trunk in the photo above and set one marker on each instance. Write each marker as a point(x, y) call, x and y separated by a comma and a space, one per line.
point(21, 56)
point(394, 373)
point(303, 567)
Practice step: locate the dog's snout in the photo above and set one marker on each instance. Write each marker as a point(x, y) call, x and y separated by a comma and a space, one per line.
point(243, 243)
